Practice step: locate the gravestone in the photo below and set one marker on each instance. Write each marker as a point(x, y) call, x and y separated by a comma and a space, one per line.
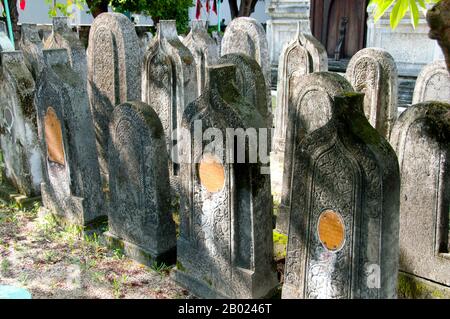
point(32, 46)
point(217, 37)
point(71, 187)
point(22, 156)
point(225, 245)
point(373, 71)
point(169, 83)
point(249, 81)
point(144, 40)
point(433, 83)
point(344, 218)
point(114, 73)
point(421, 138)
point(246, 35)
point(140, 218)
point(63, 37)
point(5, 42)
point(309, 109)
point(303, 55)
point(204, 49)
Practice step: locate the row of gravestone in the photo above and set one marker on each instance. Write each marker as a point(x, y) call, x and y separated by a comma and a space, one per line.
point(225, 243)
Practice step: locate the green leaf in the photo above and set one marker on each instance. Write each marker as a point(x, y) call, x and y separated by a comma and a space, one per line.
point(422, 4)
point(398, 12)
point(382, 6)
point(414, 13)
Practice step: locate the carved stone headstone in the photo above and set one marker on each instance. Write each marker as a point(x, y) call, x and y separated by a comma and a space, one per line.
point(18, 128)
point(225, 244)
point(114, 73)
point(373, 71)
point(250, 82)
point(32, 46)
point(432, 84)
point(204, 49)
point(64, 38)
point(246, 35)
point(140, 218)
point(421, 138)
point(309, 109)
point(344, 217)
point(71, 185)
point(145, 39)
point(217, 37)
point(303, 55)
point(169, 81)
point(5, 42)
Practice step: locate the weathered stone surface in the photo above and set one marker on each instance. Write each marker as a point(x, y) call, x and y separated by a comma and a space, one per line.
point(114, 73)
point(32, 46)
point(145, 39)
point(140, 215)
point(372, 71)
point(344, 221)
point(433, 84)
point(71, 185)
point(225, 244)
point(18, 128)
point(204, 49)
point(421, 138)
point(246, 35)
point(5, 42)
point(63, 37)
point(217, 37)
point(169, 81)
point(309, 109)
point(303, 55)
point(250, 82)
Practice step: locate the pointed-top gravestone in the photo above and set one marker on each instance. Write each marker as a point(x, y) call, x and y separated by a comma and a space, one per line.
point(169, 81)
point(421, 138)
point(344, 215)
point(303, 55)
point(204, 49)
point(250, 82)
point(32, 46)
point(225, 245)
point(246, 35)
point(433, 84)
point(140, 218)
point(22, 156)
point(114, 73)
point(373, 71)
point(63, 37)
point(72, 187)
point(5, 42)
point(310, 108)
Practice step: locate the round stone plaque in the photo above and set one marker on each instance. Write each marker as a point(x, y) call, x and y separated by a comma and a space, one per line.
point(211, 173)
point(331, 230)
point(53, 137)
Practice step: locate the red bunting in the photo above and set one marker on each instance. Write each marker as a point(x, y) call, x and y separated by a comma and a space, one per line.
point(207, 6)
point(198, 9)
point(214, 6)
point(22, 4)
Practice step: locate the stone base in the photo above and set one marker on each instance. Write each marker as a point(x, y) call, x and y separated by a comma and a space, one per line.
point(202, 290)
point(87, 229)
point(412, 287)
point(195, 286)
point(140, 254)
point(9, 193)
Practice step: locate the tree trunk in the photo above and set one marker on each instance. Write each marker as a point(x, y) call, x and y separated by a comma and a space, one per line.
point(438, 19)
point(234, 10)
point(97, 7)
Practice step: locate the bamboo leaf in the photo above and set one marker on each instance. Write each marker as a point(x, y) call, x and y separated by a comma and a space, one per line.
point(398, 12)
point(382, 6)
point(414, 13)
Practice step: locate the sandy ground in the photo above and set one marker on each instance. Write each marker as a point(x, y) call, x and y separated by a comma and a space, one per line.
point(56, 262)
